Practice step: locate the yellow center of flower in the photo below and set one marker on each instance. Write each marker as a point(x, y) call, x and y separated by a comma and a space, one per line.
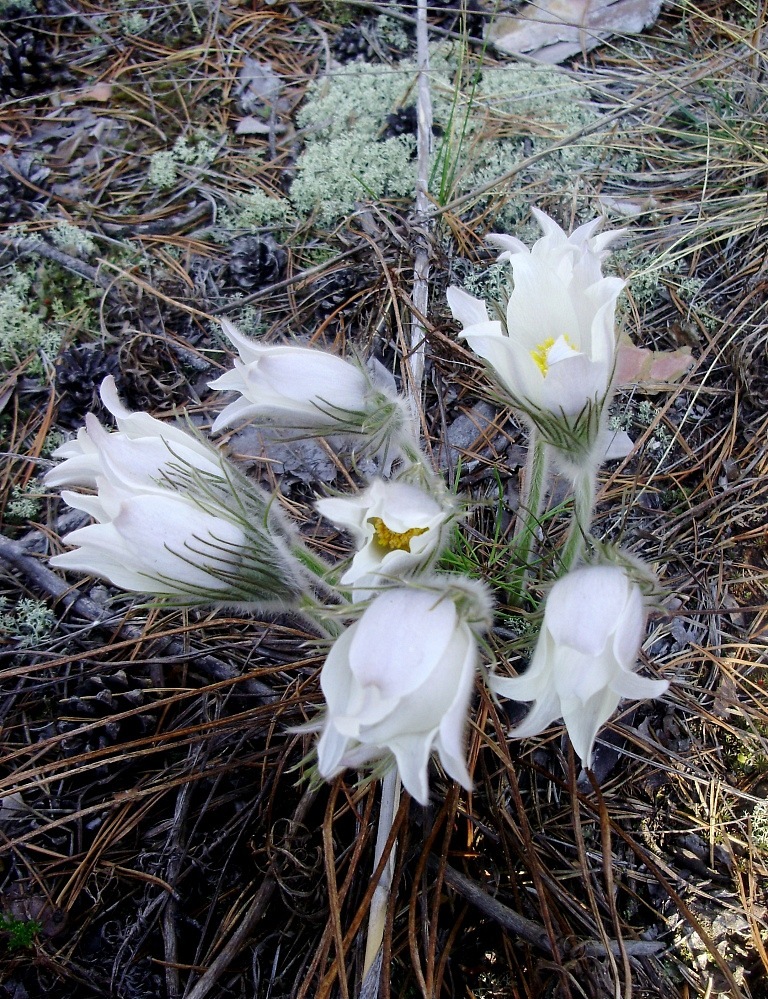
point(540, 353)
point(393, 541)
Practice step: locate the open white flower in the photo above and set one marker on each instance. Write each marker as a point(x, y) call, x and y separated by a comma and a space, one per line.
point(398, 529)
point(399, 682)
point(554, 351)
point(585, 657)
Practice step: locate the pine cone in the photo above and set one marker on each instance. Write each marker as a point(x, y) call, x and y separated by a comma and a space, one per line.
point(334, 291)
point(100, 698)
point(352, 43)
point(15, 195)
point(256, 261)
point(404, 121)
point(26, 66)
point(79, 373)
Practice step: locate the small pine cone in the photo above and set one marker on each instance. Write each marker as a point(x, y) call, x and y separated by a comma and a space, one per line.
point(333, 291)
point(152, 378)
point(404, 121)
point(256, 261)
point(26, 67)
point(100, 698)
point(79, 373)
point(15, 195)
point(352, 43)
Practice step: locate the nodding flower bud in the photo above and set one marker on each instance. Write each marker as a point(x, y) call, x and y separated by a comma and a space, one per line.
point(398, 685)
point(585, 657)
point(310, 390)
point(173, 517)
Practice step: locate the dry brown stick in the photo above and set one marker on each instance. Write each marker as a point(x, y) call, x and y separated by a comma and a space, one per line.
point(14, 555)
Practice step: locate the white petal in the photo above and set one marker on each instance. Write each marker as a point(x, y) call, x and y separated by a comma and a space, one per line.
point(465, 309)
point(412, 756)
point(508, 245)
point(583, 607)
point(539, 718)
point(638, 688)
point(584, 721)
point(378, 653)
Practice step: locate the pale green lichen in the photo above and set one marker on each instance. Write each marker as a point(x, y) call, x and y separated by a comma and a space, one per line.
point(537, 120)
point(72, 239)
point(196, 150)
point(22, 331)
point(23, 505)
point(28, 622)
point(133, 23)
point(257, 209)
point(333, 176)
point(163, 172)
point(760, 824)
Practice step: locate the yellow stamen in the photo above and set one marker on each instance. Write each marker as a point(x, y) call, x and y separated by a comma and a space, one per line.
point(539, 354)
point(392, 541)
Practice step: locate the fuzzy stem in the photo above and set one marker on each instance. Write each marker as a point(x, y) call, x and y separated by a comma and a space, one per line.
point(529, 510)
point(584, 488)
point(390, 799)
point(531, 501)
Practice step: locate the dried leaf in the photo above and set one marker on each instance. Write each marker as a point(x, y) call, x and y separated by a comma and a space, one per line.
point(554, 30)
point(650, 370)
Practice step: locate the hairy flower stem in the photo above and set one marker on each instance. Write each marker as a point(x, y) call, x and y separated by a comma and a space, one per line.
point(390, 799)
point(529, 511)
point(584, 488)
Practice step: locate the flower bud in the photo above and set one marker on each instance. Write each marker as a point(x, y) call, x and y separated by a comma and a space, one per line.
point(301, 388)
point(398, 683)
point(172, 516)
point(585, 658)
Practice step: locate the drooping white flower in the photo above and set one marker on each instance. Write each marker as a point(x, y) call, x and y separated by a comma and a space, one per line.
point(585, 658)
point(398, 529)
point(143, 447)
point(554, 351)
point(153, 542)
point(399, 681)
point(172, 517)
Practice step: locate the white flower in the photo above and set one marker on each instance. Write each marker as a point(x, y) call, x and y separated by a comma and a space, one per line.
point(153, 542)
point(290, 386)
point(585, 657)
point(171, 517)
point(554, 352)
point(142, 449)
point(399, 682)
point(398, 529)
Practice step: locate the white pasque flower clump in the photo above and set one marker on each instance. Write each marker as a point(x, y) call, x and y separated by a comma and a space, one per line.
point(398, 683)
point(585, 658)
point(552, 349)
point(167, 519)
point(301, 388)
point(398, 529)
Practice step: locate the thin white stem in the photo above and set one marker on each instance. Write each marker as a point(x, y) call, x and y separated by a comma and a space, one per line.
point(390, 800)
